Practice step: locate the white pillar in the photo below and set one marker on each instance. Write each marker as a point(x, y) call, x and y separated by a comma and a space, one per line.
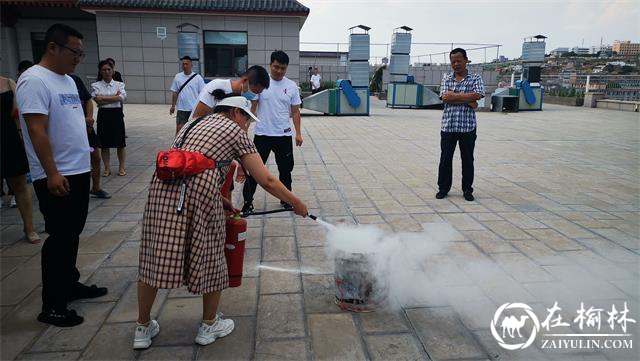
point(586, 86)
point(513, 79)
point(10, 52)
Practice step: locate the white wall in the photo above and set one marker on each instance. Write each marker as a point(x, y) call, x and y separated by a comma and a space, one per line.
point(148, 64)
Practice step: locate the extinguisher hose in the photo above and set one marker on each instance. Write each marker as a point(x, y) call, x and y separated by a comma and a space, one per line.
point(244, 215)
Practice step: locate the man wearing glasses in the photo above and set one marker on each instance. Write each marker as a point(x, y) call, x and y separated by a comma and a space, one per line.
point(59, 160)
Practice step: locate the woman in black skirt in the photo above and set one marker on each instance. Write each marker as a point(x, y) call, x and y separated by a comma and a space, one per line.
point(109, 95)
point(13, 157)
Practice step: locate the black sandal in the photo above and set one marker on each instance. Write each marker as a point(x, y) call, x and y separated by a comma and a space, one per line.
point(84, 291)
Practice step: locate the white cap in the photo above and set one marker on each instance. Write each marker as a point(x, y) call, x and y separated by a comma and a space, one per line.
point(238, 102)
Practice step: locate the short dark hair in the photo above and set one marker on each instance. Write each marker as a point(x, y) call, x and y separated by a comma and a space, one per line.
point(186, 57)
point(103, 63)
point(110, 60)
point(280, 56)
point(60, 33)
point(258, 75)
point(461, 51)
point(24, 65)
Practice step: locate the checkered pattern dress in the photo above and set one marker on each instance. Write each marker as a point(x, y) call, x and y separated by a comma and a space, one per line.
point(188, 248)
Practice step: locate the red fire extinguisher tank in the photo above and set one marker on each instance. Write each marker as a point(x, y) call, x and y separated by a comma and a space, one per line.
point(234, 248)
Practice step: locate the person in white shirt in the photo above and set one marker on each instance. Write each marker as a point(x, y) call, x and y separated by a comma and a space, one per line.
point(315, 81)
point(185, 89)
point(58, 151)
point(109, 94)
point(275, 108)
point(250, 84)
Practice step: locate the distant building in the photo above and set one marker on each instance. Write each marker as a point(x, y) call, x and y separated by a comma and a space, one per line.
point(558, 52)
point(318, 58)
point(580, 51)
point(600, 49)
point(626, 47)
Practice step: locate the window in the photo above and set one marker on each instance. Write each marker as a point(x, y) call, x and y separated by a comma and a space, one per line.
point(37, 46)
point(188, 46)
point(225, 53)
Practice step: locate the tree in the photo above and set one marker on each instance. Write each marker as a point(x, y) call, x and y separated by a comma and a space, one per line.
point(626, 69)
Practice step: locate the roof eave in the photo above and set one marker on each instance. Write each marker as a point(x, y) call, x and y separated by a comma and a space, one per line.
point(197, 12)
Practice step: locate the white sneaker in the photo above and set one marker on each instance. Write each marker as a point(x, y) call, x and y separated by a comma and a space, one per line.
point(144, 334)
point(207, 334)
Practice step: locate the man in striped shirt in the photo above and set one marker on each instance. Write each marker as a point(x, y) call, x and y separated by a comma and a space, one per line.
point(460, 92)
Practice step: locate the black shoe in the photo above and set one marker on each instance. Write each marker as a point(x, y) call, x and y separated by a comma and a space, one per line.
point(441, 194)
point(286, 205)
point(83, 291)
point(60, 318)
point(469, 197)
point(100, 194)
point(247, 208)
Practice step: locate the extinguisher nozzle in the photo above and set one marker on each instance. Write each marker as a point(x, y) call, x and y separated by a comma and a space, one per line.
point(312, 216)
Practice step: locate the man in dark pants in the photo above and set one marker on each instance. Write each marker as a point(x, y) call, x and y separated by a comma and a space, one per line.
point(58, 150)
point(460, 92)
point(276, 105)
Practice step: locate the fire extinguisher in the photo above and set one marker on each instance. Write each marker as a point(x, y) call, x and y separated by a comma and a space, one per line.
point(234, 248)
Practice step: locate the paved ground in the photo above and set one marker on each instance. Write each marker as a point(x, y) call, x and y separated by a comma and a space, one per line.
point(556, 219)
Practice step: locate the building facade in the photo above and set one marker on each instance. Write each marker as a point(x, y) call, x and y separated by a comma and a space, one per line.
point(626, 47)
point(146, 38)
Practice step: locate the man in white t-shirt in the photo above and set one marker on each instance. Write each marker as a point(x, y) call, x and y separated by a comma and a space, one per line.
point(185, 89)
point(276, 106)
point(58, 151)
point(251, 83)
point(315, 81)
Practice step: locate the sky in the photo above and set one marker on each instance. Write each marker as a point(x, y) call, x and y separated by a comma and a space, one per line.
point(566, 24)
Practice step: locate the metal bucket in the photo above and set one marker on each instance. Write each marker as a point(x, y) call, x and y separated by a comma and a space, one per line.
point(357, 289)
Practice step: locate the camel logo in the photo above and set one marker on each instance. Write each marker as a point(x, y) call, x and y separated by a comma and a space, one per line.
point(511, 326)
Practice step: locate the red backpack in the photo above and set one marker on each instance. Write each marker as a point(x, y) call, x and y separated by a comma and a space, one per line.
point(175, 163)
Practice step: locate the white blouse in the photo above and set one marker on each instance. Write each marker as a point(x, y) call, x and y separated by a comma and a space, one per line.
point(109, 89)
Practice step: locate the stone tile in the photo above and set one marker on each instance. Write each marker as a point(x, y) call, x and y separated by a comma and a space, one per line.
point(280, 316)
point(20, 328)
point(275, 281)
point(126, 309)
point(506, 230)
point(233, 346)
point(310, 236)
point(488, 241)
point(474, 315)
point(254, 238)
point(50, 356)
point(102, 242)
point(112, 342)
point(19, 284)
point(292, 350)
point(116, 279)
point(383, 321)
point(78, 337)
point(179, 321)
point(279, 249)
point(394, 347)
point(540, 253)
point(555, 240)
point(331, 345)
point(496, 352)
point(315, 260)
point(278, 227)
point(319, 293)
point(521, 220)
point(619, 237)
point(169, 353)
point(569, 229)
point(126, 256)
point(443, 335)
point(22, 249)
point(251, 262)
point(520, 267)
point(240, 301)
point(462, 222)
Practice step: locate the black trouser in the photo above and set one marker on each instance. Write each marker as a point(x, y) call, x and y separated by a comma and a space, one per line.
point(448, 141)
point(282, 147)
point(64, 219)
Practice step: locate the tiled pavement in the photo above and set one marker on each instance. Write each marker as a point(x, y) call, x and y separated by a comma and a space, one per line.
point(556, 219)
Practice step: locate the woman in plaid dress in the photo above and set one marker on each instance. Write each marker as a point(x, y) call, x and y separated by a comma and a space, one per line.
point(188, 248)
